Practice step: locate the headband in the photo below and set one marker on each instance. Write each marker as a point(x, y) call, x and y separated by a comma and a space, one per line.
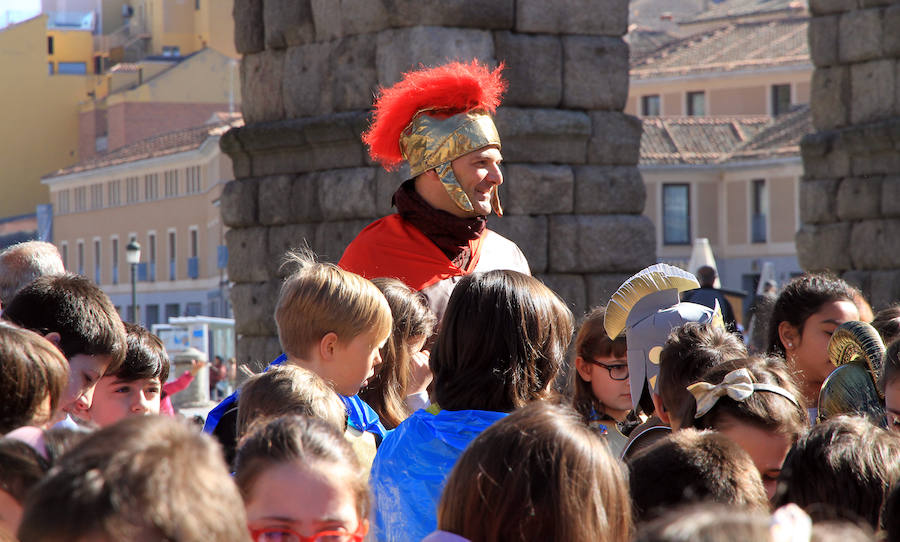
point(738, 385)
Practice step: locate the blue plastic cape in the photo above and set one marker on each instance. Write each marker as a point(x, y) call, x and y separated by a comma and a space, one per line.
point(359, 414)
point(412, 466)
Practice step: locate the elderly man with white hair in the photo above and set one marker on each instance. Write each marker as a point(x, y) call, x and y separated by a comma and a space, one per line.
point(22, 263)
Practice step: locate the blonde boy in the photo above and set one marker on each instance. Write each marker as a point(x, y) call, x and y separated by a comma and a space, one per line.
point(331, 322)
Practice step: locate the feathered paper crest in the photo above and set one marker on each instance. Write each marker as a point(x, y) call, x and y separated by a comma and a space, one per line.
point(655, 278)
point(442, 91)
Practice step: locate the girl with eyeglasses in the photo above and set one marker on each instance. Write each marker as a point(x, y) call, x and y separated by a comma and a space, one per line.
point(301, 482)
point(601, 391)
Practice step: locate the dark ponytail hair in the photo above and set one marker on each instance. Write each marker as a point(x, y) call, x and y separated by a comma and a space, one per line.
point(800, 299)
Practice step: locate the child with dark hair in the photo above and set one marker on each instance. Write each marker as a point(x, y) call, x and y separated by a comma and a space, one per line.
point(74, 314)
point(690, 351)
point(134, 389)
point(692, 466)
point(842, 469)
point(601, 392)
point(400, 384)
point(501, 344)
point(755, 403)
point(144, 478)
point(806, 313)
point(707, 522)
point(887, 323)
point(539, 474)
point(890, 385)
point(300, 480)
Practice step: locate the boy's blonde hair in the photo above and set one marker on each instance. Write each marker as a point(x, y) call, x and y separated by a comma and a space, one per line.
point(321, 298)
point(288, 389)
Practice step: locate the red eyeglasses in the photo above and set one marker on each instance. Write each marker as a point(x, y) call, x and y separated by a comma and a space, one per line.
point(283, 534)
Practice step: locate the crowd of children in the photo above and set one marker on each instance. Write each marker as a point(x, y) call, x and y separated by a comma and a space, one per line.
point(380, 423)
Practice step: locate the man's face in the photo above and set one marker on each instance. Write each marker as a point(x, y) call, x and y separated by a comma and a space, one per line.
point(479, 175)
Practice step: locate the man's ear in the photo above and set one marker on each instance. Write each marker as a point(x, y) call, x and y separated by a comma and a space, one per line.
point(583, 368)
point(54, 337)
point(660, 408)
point(328, 346)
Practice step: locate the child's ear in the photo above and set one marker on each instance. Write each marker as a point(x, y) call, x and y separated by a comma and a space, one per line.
point(660, 408)
point(788, 335)
point(328, 346)
point(583, 368)
point(54, 337)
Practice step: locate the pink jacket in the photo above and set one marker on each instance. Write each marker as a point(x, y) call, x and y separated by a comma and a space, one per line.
point(171, 388)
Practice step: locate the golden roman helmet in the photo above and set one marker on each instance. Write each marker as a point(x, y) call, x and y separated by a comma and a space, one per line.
point(857, 351)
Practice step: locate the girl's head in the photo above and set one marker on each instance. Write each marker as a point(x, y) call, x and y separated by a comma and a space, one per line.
point(501, 343)
point(34, 378)
point(890, 385)
point(887, 323)
point(601, 370)
point(756, 403)
point(413, 325)
point(538, 474)
point(803, 319)
point(299, 475)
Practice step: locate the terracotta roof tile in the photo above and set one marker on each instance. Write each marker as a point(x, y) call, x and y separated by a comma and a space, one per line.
point(743, 8)
point(781, 138)
point(695, 140)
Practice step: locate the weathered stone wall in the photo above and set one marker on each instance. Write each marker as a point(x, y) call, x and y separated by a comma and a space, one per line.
point(573, 193)
point(850, 195)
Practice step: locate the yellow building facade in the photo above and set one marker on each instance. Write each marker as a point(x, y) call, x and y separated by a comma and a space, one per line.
point(182, 27)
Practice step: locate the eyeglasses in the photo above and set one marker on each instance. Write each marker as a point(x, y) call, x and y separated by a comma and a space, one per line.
point(617, 371)
point(283, 534)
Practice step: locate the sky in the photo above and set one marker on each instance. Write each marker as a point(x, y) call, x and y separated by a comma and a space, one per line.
point(13, 11)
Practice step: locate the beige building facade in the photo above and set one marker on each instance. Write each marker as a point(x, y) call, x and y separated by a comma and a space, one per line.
point(162, 192)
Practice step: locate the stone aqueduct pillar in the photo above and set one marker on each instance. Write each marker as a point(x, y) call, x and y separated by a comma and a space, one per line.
point(850, 195)
point(573, 194)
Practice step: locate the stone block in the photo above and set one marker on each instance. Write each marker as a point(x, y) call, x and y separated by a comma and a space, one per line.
point(401, 50)
point(822, 7)
point(538, 189)
point(334, 19)
point(818, 201)
point(304, 198)
point(529, 232)
point(605, 190)
point(283, 239)
point(571, 289)
point(533, 68)
point(333, 237)
point(254, 307)
point(824, 247)
point(882, 163)
point(884, 290)
point(859, 198)
point(386, 183)
point(595, 72)
point(615, 138)
point(867, 139)
point(891, 43)
point(822, 157)
point(601, 286)
point(307, 83)
point(347, 193)
point(355, 80)
point(859, 35)
point(861, 280)
point(871, 90)
point(261, 78)
point(287, 22)
point(897, 101)
point(238, 203)
point(251, 352)
point(572, 17)
point(247, 254)
point(249, 36)
point(830, 97)
point(275, 200)
point(598, 243)
point(823, 40)
point(875, 244)
point(326, 16)
point(496, 14)
point(543, 135)
point(890, 196)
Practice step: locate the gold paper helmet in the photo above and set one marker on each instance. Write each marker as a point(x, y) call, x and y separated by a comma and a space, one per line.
point(434, 116)
point(856, 349)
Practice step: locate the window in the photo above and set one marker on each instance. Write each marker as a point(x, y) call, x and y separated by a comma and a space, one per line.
point(151, 187)
point(781, 99)
point(50, 68)
point(193, 263)
point(172, 311)
point(96, 196)
point(194, 245)
point(171, 50)
point(133, 194)
point(81, 198)
point(696, 104)
point(81, 257)
point(152, 315)
point(113, 193)
point(171, 182)
point(193, 309)
point(97, 261)
point(49, 45)
point(151, 260)
point(98, 65)
point(650, 105)
point(192, 180)
point(171, 255)
point(196, 5)
point(114, 253)
point(62, 202)
point(65, 254)
point(676, 214)
point(71, 68)
point(760, 202)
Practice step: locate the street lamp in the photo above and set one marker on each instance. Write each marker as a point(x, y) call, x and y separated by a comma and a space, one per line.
point(133, 256)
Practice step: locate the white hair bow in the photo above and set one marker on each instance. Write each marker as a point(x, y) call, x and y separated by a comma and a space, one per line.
point(738, 385)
